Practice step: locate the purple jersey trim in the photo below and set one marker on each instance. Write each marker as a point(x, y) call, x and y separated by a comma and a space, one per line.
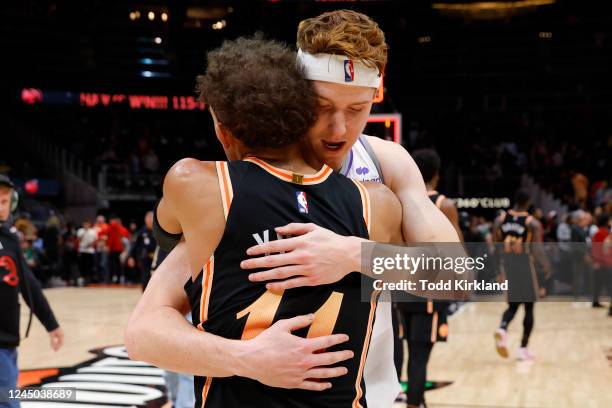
point(348, 169)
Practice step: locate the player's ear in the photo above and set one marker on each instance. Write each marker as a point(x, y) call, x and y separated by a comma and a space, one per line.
point(224, 136)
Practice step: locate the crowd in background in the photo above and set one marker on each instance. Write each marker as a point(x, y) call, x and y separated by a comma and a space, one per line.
point(581, 257)
point(101, 252)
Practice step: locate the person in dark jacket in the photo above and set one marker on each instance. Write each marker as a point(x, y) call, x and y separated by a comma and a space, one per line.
point(143, 250)
point(16, 277)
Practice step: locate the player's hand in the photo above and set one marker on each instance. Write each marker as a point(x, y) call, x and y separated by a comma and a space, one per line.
point(130, 262)
point(280, 359)
point(316, 256)
point(56, 338)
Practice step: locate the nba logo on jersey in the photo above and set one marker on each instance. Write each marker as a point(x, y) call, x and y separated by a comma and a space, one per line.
point(349, 71)
point(302, 203)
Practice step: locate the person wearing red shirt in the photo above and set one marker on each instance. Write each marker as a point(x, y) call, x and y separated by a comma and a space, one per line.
point(101, 257)
point(602, 259)
point(116, 234)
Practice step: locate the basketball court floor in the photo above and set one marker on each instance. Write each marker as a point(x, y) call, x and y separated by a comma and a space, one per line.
point(572, 343)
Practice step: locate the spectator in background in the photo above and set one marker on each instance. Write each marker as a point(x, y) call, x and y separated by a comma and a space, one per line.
point(87, 236)
point(602, 260)
point(33, 256)
point(579, 238)
point(564, 236)
point(116, 233)
point(143, 250)
point(101, 262)
point(150, 161)
point(51, 243)
point(70, 250)
point(17, 278)
point(580, 183)
point(24, 224)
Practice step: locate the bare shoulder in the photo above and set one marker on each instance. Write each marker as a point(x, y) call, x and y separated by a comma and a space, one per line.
point(188, 169)
point(188, 173)
point(399, 169)
point(385, 147)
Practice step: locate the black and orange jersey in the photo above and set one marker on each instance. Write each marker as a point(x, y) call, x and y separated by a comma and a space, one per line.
point(516, 235)
point(515, 231)
point(258, 197)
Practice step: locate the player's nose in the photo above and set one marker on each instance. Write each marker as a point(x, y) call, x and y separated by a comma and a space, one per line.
point(338, 124)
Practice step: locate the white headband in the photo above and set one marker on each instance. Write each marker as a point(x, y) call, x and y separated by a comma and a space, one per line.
point(339, 69)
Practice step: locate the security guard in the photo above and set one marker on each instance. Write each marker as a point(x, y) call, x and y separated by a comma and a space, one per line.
point(15, 277)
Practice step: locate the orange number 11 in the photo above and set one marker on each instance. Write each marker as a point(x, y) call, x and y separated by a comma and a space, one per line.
point(262, 311)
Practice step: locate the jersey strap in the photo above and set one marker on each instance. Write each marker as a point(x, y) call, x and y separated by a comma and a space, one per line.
point(368, 147)
point(225, 186)
point(365, 203)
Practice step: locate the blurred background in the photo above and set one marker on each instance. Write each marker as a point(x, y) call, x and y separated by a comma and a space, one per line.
point(98, 101)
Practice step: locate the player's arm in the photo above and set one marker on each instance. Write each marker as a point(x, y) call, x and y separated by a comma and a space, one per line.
point(316, 256)
point(386, 222)
point(32, 293)
point(449, 209)
point(422, 221)
point(497, 237)
point(538, 248)
point(158, 332)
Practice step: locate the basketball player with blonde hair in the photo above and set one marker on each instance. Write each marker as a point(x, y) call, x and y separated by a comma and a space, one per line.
point(344, 53)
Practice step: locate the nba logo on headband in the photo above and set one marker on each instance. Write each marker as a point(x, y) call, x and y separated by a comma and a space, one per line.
point(349, 71)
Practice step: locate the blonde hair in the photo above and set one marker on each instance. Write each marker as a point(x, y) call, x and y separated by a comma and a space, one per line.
point(344, 32)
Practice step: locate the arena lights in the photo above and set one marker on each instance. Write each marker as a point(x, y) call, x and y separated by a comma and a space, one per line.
point(151, 15)
point(424, 39)
point(157, 40)
point(132, 16)
point(490, 10)
point(545, 35)
point(219, 25)
point(492, 5)
point(164, 17)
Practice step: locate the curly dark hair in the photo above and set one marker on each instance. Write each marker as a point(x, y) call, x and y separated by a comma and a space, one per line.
point(258, 92)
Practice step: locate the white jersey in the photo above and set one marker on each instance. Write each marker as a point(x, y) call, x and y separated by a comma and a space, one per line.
point(380, 376)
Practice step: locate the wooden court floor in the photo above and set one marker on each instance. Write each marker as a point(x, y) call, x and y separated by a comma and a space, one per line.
point(572, 343)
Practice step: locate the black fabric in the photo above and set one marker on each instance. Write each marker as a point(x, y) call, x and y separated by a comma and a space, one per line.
point(86, 265)
point(262, 202)
point(516, 258)
point(15, 277)
point(528, 320)
point(143, 245)
point(114, 266)
point(165, 240)
point(398, 340)
point(418, 357)
point(142, 250)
